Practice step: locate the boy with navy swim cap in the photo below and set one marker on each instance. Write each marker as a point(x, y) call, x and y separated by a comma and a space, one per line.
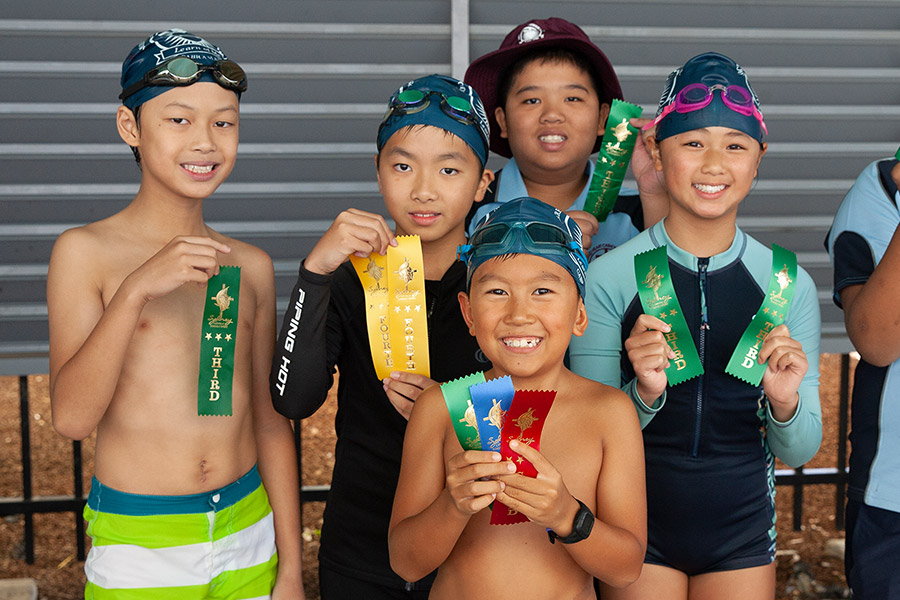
point(432, 149)
point(716, 339)
point(161, 334)
point(547, 91)
point(523, 303)
point(863, 244)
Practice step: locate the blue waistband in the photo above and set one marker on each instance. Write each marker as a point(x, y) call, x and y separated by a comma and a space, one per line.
point(106, 499)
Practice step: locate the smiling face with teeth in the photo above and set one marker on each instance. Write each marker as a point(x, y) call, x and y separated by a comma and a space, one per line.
point(187, 138)
point(524, 309)
point(708, 173)
point(552, 117)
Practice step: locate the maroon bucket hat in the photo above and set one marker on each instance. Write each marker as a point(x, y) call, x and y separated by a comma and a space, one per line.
point(484, 72)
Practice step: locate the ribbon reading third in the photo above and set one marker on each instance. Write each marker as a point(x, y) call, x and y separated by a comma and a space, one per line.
point(612, 161)
point(744, 363)
point(217, 339)
point(657, 294)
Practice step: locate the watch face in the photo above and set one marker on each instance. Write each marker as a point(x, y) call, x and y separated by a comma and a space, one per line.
point(584, 522)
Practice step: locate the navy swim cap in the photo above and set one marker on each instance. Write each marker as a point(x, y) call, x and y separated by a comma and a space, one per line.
point(709, 68)
point(159, 48)
point(527, 226)
point(470, 125)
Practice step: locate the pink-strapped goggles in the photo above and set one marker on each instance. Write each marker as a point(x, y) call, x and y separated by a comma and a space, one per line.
point(698, 95)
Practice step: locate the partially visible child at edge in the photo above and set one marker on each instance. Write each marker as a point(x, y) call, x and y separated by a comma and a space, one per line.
point(431, 168)
point(864, 245)
point(547, 92)
point(708, 441)
point(177, 506)
point(524, 303)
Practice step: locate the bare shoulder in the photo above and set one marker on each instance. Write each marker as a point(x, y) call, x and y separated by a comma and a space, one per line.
point(430, 403)
point(86, 248)
point(608, 406)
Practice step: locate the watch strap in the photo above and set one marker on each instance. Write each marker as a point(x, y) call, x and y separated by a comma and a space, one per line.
point(581, 526)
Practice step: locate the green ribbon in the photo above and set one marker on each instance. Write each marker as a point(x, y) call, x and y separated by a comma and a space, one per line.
point(744, 363)
point(612, 161)
point(217, 340)
point(462, 411)
point(657, 294)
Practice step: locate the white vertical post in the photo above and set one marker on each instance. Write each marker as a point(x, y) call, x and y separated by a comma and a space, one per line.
point(459, 37)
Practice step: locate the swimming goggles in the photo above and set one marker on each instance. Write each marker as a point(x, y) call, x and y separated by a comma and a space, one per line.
point(412, 101)
point(698, 95)
point(184, 71)
point(497, 239)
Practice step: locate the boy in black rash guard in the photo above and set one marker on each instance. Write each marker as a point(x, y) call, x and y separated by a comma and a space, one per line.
point(431, 168)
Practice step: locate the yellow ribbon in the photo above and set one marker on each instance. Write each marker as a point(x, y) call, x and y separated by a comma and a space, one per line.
point(396, 315)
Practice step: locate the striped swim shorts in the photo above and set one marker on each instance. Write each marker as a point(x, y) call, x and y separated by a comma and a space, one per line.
point(218, 544)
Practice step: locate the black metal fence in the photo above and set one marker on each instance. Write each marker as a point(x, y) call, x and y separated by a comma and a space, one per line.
point(27, 505)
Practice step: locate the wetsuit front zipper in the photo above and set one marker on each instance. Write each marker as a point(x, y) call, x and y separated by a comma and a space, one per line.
point(702, 266)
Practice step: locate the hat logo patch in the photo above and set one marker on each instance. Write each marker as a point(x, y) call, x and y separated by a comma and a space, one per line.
point(530, 33)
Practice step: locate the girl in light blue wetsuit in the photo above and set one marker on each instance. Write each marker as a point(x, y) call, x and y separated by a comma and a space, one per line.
point(710, 440)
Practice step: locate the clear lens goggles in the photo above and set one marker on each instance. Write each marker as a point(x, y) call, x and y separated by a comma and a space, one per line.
point(698, 95)
point(184, 71)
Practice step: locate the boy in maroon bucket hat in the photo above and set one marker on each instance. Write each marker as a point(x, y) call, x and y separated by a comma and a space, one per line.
point(547, 92)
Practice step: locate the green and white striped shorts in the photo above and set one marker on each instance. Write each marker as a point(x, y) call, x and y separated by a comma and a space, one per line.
point(218, 544)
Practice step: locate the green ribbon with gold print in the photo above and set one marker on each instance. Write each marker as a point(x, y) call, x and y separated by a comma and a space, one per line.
point(744, 363)
point(612, 161)
point(462, 411)
point(217, 339)
point(657, 294)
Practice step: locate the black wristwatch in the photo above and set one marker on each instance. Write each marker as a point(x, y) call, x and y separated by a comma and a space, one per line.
point(581, 526)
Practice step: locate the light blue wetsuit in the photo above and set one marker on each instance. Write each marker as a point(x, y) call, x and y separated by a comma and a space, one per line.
point(708, 441)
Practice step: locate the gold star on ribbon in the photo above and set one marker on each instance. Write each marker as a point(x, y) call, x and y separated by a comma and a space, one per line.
point(227, 337)
point(218, 336)
point(209, 336)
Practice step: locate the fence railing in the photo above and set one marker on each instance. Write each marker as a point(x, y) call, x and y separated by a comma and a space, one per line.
point(28, 505)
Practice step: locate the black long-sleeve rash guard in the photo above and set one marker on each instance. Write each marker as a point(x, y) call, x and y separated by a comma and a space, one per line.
point(323, 328)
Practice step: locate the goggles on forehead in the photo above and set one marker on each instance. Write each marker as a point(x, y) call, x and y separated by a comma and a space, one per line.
point(539, 238)
point(412, 101)
point(185, 71)
point(698, 95)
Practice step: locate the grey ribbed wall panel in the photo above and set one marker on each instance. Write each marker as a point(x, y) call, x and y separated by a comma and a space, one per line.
point(320, 71)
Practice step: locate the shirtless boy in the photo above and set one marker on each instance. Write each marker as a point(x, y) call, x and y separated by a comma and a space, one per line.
point(177, 505)
point(524, 304)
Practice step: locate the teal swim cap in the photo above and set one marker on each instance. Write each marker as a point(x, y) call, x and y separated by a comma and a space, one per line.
point(730, 102)
point(162, 47)
point(441, 102)
point(527, 226)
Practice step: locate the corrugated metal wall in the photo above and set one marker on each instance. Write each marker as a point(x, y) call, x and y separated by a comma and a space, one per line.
point(321, 70)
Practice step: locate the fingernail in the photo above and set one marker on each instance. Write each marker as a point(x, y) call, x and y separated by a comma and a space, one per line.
point(395, 375)
point(513, 443)
point(512, 467)
point(502, 486)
